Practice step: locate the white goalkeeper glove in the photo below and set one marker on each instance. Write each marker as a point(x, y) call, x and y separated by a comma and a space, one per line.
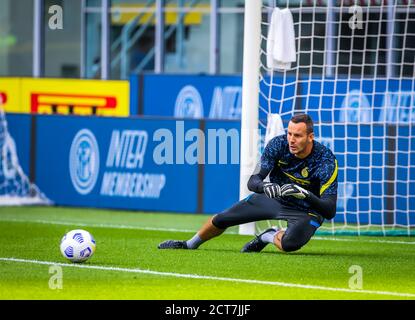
point(293, 190)
point(272, 190)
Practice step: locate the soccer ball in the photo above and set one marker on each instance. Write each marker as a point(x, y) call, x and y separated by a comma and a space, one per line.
point(77, 245)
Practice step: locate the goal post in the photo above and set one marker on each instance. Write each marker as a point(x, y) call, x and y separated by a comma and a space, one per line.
point(354, 75)
point(250, 98)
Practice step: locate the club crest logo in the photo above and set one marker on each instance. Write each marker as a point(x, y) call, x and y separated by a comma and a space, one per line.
point(188, 103)
point(356, 108)
point(84, 161)
point(304, 172)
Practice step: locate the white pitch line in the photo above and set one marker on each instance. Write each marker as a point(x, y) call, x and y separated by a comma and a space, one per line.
point(98, 225)
point(365, 240)
point(202, 277)
point(120, 226)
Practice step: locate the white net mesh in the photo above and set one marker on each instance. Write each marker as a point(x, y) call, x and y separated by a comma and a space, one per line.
point(354, 75)
point(15, 187)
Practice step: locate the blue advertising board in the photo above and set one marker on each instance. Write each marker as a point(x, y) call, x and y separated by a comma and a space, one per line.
point(208, 96)
point(190, 96)
point(116, 163)
point(135, 87)
point(359, 100)
point(325, 99)
point(221, 169)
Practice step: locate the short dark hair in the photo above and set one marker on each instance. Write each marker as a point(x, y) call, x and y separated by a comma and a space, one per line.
point(302, 117)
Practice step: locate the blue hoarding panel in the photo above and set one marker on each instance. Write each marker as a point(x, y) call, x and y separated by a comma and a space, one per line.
point(116, 163)
point(214, 97)
point(189, 96)
point(134, 94)
point(221, 171)
point(358, 100)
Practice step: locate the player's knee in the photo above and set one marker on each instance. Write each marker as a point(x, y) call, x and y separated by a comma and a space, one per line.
point(290, 244)
point(219, 222)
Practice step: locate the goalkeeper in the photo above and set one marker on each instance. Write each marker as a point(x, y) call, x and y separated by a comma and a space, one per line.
point(302, 190)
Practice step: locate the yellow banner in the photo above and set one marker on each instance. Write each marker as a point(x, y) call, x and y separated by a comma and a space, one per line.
point(10, 97)
point(66, 96)
point(120, 14)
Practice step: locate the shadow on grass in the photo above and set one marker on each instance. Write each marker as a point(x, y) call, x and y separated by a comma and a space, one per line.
point(298, 254)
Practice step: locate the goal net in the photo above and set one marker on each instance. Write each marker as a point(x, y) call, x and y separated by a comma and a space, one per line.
point(15, 187)
point(353, 73)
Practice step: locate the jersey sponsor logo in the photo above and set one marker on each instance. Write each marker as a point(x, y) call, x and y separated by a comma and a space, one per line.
point(188, 103)
point(84, 161)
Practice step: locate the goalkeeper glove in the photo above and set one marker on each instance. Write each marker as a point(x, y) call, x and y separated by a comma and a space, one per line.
point(294, 191)
point(272, 190)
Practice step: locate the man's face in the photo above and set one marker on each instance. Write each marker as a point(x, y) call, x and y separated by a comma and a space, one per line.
point(300, 143)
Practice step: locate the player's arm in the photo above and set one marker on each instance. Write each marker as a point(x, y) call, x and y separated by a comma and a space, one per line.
point(256, 184)
point(269, 156)
point(326, 203)
point(256, 181)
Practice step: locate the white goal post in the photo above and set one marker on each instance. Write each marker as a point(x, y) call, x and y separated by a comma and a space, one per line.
point(250, 98)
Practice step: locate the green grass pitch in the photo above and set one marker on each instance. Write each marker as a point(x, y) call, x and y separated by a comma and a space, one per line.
point(128, 265)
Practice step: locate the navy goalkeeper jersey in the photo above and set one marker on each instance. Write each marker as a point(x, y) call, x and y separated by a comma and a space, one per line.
point(316, 173)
